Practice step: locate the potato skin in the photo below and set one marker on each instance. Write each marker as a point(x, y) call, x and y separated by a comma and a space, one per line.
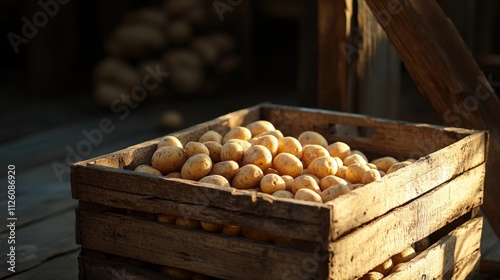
point(258, 155)
point(196, 167)
point(290, 145)
point(259, 127)
point(312, 137)
point(232, 151)
point(168, 159)
point(311, 152)
point(333, 192)
point(248, 177)
point(398, 166)
point(354, 158)
point(227, 169)
point(216, 180)
point(323, 166)
point(211, 135)
point(268, 141)
point(305, 182)
point(283, 194)
point(288, 164)
point(331, 180)
point(384, 163)
point(272, 183)
point(147, 169)
point(238, 132)
point(169, 141)
point(371, 175)
point(214, 149)
point(192, 148)
point(355, 172)
point(339, 149)
point(307, 195)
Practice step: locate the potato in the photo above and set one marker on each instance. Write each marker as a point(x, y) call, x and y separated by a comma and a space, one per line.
point(211, 227)
point(331, 180)
point(305, 182)
point(311, 152)
point(232, 151)
point(244, 144)
point(272, 183)
point(384, 163)
point(307, 195)
point(227, 169)
point(231, 230)
point(339, 149)
point(258, 155)
point(168, 159)
point(312, 137)
point(288, 164)
point(166, 218)
point(271, 170)
point(290, 145)
point(404, 256)
point(398, 166)
point(385, 267)
point(288, 182)
point(354, 158)
point(177, 273)
point(214, 149)
point(248, 177)
point(323, 166)
point(355, 186)
point(238, 132)
point(422, 244)
point(186, 222)
point(169, 141)
point(358, 152)
point(341, 172)
point(211, 135)
point(397, 267)
point(339, 161)
point(276, 133)
point(259, 127)
point(283, 194)
point(143, 168)
point(268, 141)
point(372, 275)
point(371, 175)
point(256, 234)
point(333, 192)
point(193, 148)
point(216, 180)
point(196, 167)
point(355, 172)
point(372, 166)
point(175, 174)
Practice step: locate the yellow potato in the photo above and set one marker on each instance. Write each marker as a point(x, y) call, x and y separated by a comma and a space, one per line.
point(216, 180)
point(305, 182)
point(339, 149)
point(385, 267)
point(168, 141)
point(283, 194)
point(307, 195)
point(354, 158)
point(248, 177)
point(372, 166)
point(333, 192)
point(384, 163)
point(288, 182)
point(232, 151)
point(244, 144)
point(268, 141)
point(341, 172)
point(211, 227)
point(355, 172)
point(186, 222)
point(211, 135)
point(290, 145)
point(196, 167)
point(214, 149)
point(371, 175)
point(311, 152)
point(193, 148)
point(397, 267)
point(398, 166)
point(175, 174)
point(355, 186)
point(358, 152)
point(227, 169)
point(422, 244)
point(166, 218)
point(339, 161)
point(323, 166)
point(288, 164)
point(271, 170)
point(231, 230)
point(272, 183)
point(404, 256)
point(258, 155)
point(176, 273)
point(238, 132)
point(147, 169)
point(372, 275)
point(276, 133)
point(259, 127)
point(168, 159)
point(312, 137)
point(256, 234)
point(331, 180)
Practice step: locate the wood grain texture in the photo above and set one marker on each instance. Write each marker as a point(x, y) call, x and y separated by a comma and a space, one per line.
point(446, 73)
point(405, 225)
point(449, 256)
point(64, 267)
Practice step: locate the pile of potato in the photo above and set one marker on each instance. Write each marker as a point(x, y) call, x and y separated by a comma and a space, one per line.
point(179, 38)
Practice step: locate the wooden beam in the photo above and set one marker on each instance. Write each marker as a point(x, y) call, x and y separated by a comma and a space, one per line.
point(446, 73)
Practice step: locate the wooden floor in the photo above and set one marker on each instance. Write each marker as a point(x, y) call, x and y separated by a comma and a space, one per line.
point(36, 134)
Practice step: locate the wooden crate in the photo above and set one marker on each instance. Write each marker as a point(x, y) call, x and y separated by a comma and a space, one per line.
point(436, 196)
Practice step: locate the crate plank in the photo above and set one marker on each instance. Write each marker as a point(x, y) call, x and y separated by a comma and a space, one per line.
point(212, 254)
point(446, 255)
point(405, 225)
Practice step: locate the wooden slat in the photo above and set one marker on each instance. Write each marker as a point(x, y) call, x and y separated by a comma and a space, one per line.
point(446, 255)
point(352, 210)
point(211, 254)
point(371, 244)
point(446, 73)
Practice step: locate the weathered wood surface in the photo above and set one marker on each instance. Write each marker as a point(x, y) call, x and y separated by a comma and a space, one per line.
point(446, 255)
point(61, 267)
point(375, 242)
point(446, 73)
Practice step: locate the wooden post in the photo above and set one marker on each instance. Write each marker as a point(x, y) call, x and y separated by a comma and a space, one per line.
point(446, 73)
